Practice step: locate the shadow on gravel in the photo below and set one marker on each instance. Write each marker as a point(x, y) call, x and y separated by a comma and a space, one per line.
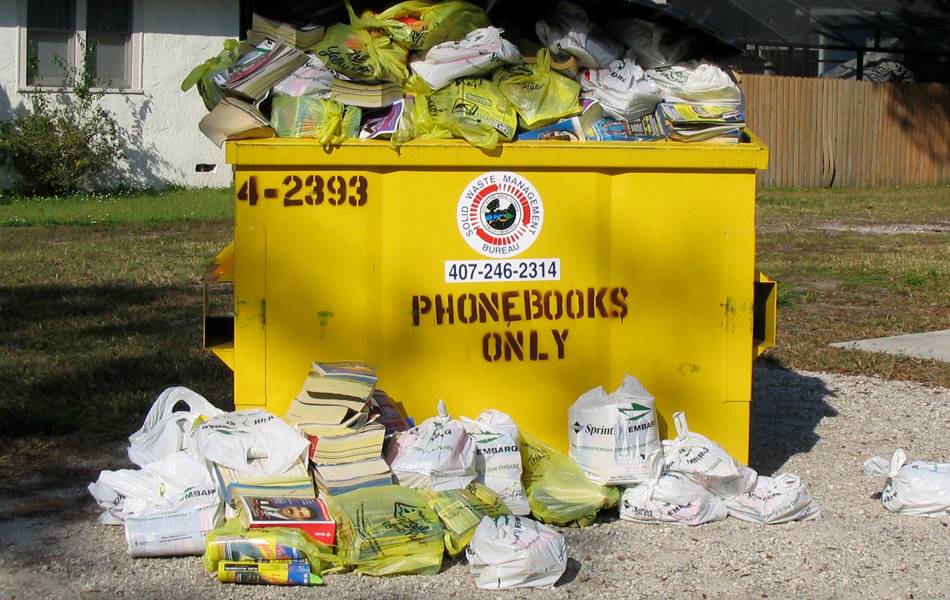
point(786, 408)
point(570, 573)
point(45, 477)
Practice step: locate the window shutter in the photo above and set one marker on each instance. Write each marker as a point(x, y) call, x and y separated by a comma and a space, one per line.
point(50, 25)
point(51, 51)
point(109, 16)
point(109, 59)
point(109, 36)
point(57, 15)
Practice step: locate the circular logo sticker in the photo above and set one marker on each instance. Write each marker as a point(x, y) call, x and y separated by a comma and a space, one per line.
point(500, 214)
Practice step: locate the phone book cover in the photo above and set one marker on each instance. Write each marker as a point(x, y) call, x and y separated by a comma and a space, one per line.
point(307, 514)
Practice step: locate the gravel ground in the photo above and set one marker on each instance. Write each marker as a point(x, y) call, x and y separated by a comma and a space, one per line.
point(819, 426)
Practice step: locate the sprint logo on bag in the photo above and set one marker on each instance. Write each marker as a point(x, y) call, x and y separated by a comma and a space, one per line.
point(634, 412)
point(614, 437)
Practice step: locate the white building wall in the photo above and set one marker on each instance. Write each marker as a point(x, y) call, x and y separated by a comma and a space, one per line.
point(161, 121)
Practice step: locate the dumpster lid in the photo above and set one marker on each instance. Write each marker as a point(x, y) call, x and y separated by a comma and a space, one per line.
point(567, 156)
point(683, 23)
point(221, 269)
point(709, 38)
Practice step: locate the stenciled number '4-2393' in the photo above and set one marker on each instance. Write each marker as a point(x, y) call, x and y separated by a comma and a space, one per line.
point(309, 190)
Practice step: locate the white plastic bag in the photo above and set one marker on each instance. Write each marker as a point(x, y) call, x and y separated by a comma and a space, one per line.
point(158, 486)
point(651, 45)
point(919, 488)
point(498, 458)
point(252, 442)
point(482, 51)
point(113, 489)
point(167, 507)
point(613, 437)
point(165, 430)
point(621, 89)
point(512, 552)
point(567, 30)
point(178, 532)
point(671, 498)
point(705, 462)
point(437, 455)
point(699, 83)
point(775, 500)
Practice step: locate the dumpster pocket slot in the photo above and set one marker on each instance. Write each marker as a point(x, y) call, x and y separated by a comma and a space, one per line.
point(218, 295)
point(765, 296)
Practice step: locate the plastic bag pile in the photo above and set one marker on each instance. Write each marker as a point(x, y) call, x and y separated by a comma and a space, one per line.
point(170, 504)
point(438, 70)
point(687, 480)
point(481, 487)
point(454, 476)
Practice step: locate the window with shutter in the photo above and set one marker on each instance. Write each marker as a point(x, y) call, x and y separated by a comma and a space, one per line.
point(109, 39)
point(54, 33)
point(51, 26)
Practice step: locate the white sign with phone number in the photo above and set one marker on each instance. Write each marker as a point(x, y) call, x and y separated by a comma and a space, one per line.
point(480, 271)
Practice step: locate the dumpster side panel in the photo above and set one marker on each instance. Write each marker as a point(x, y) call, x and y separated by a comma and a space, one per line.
point(250, 300)
point(653, 274)
point(684, 246)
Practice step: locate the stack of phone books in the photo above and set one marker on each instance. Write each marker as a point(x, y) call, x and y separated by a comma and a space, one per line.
point(365, 94)
point(307, 514)
point(392, 414)
point(260, 68)
point(334, 394)
point(336, 410)
point(299, 37)
point(292, 483)
point(700, 122)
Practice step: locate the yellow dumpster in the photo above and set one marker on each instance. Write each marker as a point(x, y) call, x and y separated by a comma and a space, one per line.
point(513, 279)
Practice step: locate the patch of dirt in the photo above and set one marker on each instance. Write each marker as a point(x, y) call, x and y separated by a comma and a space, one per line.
point(823, 284)
point(890, 229)
point(868, 228)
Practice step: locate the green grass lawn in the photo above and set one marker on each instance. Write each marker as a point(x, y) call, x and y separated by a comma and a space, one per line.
point(855, 264)
point(100, 298)
point(861, 206)
point(158, 207)
point(100, 308)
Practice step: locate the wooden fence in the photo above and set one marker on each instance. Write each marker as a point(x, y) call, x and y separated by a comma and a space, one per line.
point(828, 132)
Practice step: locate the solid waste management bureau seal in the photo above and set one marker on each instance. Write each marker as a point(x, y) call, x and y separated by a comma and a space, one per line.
point(500, 214)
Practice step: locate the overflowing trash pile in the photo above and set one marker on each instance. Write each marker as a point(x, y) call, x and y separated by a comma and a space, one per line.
point(435, 70)
point(244, 489)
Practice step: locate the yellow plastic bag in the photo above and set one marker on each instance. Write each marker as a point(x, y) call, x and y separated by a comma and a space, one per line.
point(468, 108)
point(420, 25)
point(387, 530)
point(202, 76)
point(460, 512)
point(327, 120)
point(231, 542)
point(362, 54)
point(541, 96)
point(558, 491)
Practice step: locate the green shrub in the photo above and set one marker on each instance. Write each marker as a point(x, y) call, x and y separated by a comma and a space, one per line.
point(64, 141)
